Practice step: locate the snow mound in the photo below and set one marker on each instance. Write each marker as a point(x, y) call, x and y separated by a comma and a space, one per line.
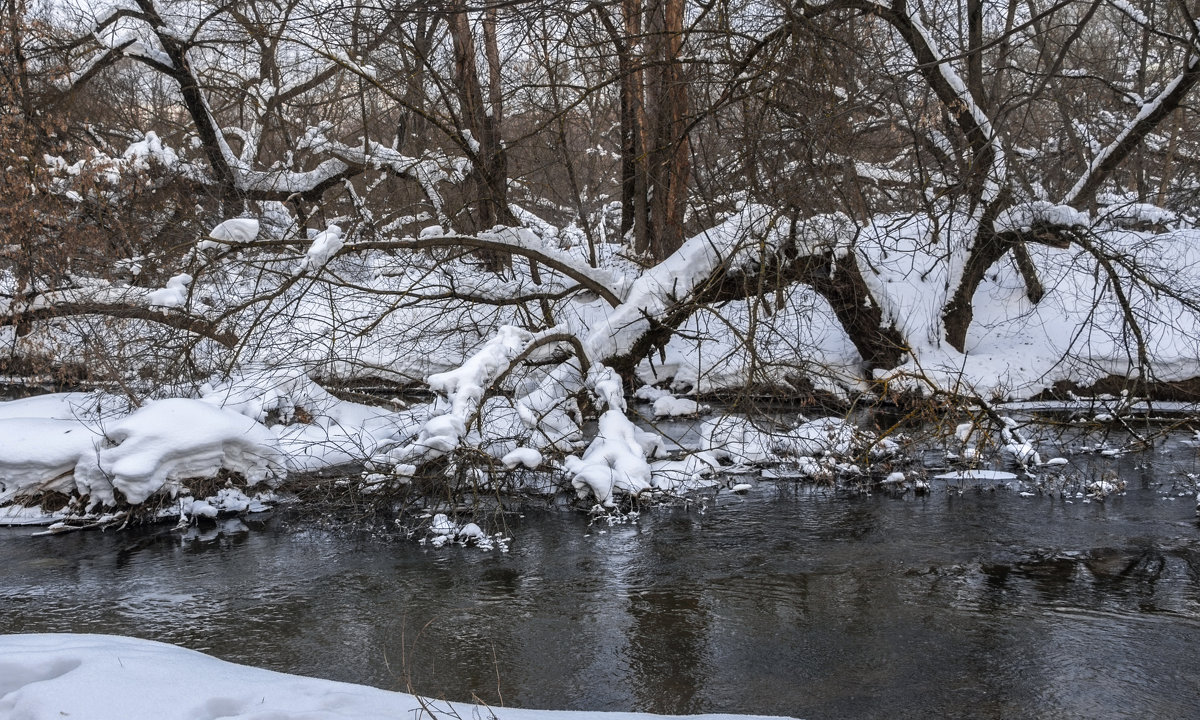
point(324, 246)
point(615, 461)
point(39, 455)
point(175, 294)
point(171, 440)
point(670, 406)
point(236, 230)
point(104, 677)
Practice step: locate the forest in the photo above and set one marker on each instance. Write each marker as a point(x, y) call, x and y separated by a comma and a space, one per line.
point(471, 244)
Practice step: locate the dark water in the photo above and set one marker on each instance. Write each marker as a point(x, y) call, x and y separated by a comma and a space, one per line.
point(787, 601)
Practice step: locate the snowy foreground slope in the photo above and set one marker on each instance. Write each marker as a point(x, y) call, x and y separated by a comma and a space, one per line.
point(101, 677)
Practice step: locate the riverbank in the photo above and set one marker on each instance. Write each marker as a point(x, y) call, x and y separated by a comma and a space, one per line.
point(108, 677)
point(95, 460)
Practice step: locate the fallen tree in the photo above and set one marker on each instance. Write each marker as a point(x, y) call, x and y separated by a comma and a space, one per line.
point(952, 261)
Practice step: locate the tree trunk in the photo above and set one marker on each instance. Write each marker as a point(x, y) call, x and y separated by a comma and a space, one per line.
point(668, 150)
point(635, 174)
point(489, 162)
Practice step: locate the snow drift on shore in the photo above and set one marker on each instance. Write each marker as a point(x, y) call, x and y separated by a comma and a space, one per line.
point(101, 677)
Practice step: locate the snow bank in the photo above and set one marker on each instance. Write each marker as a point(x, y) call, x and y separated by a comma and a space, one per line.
point(171, 440)
point(88, 444)
point(335, 431)
point(103, 677)
point(1078, 331)
point(39, 455)
point(43, 439)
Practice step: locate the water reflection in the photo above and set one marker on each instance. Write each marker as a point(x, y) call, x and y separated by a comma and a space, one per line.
point(814, 604)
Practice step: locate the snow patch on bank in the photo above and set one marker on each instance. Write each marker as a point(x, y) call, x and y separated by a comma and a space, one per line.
point(106, 677)
point(171, 440)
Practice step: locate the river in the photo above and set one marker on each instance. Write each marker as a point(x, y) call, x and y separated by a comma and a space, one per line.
point(788, 600)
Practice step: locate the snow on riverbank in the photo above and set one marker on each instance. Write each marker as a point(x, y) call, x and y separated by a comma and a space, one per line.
point(98, 452)
point(98, 457)
point(102, 677)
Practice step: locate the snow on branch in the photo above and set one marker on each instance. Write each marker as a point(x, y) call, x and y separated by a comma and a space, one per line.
point(427, 171)
point(516, 241)
point(990, 164)
point(460, 393)
point(1132, 135)
point(674, 280)
point(166, 306)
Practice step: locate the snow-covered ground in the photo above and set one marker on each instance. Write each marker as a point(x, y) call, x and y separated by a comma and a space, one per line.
point(105, 677)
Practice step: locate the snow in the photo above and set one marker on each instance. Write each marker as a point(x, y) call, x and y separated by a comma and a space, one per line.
point(527, 457)
point(235, 231)
point(443, 530)
point(87, 407)
point(985, 475)
point(741, 441)
point(150, 149)
point(1024, 216)
point(670, 406)
point(460, 393)
point(1103, 488)
point(694, 471)
point(106, 677)
point(1147, 109)
point(615, 461)
point(830, 435)
point(675, 277)
point(735, 438)
point(175, 294)
point(87, 445)
point(338, 431)
point(39, 455)
point(1015, 349)
point(170, 440)
point(325, 245)
point(1134, 14)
